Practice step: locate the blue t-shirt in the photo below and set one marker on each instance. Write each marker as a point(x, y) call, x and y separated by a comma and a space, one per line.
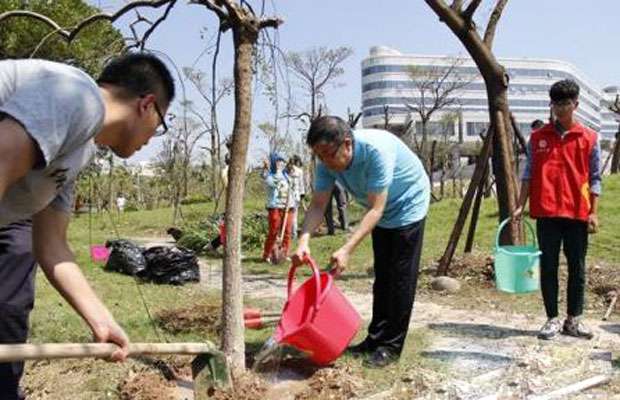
point(382, 161)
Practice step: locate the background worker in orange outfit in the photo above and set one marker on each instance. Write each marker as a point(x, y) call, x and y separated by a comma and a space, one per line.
point(563, 180)
point(279, 207)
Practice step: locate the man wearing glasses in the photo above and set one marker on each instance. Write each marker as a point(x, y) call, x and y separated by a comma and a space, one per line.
point(52, 117)
point(562, 178)
point(385, 176)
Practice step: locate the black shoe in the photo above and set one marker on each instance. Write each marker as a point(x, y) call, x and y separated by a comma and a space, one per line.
point(380, 358)
point(575, 327)
point(361, 349)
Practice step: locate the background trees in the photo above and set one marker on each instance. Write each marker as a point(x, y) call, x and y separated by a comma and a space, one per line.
point(31, 38)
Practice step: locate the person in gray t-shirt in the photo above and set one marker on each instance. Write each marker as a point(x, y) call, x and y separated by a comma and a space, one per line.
point(52, 117)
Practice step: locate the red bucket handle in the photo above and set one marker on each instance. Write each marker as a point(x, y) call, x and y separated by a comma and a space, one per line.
point(317, 277)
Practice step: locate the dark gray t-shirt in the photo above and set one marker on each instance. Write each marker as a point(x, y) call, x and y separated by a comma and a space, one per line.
point(61, 108)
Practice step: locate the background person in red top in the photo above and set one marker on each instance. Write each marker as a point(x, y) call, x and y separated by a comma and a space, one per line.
point(563, 180)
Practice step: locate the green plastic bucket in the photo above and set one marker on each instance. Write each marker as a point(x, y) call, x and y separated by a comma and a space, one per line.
point(517, 268)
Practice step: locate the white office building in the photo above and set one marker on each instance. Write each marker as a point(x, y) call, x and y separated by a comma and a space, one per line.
point(387, 81)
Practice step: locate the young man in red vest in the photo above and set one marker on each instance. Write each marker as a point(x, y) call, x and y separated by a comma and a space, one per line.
point(563, 180)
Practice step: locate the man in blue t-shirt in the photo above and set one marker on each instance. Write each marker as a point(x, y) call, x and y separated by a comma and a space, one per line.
point(387, 178)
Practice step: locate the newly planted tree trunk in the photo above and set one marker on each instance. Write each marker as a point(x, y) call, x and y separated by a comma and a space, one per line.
point(245, 26)
point(233, 343)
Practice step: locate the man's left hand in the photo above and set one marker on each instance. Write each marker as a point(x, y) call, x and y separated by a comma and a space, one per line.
point(592, 223)
point(339, 261)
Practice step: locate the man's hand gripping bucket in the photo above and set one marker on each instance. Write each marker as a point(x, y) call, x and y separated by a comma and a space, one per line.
point(317, 318)
point(517, 267)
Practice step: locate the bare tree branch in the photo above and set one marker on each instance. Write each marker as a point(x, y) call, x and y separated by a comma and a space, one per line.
point(21, 13)
point(235, 13)
point(298, 116)
point(231, 13)
point(468, 35)
point(454, 21)
point(386, 117)
point(69, 35)
point(42, 42)
point(489, 34)
point(457, 5)
point(134, 32)
point(316, 69)
point(270, 23)
point(248, 6)
point(353, 122)
point(468, 14)
point(217, 9)
point(142, 41)
point(441, 83)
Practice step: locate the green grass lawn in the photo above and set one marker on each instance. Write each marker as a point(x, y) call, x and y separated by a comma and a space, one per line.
point(54, 321)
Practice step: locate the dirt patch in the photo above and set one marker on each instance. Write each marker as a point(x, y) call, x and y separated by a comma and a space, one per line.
point(82, 379)
point(474, 267)
point(603, 278)
point(199, 318)
point(146, 386)
point(417, 383)
point(248, 386)
point(339, 382)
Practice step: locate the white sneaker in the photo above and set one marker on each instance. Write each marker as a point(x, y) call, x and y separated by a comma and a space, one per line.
point(550, 329)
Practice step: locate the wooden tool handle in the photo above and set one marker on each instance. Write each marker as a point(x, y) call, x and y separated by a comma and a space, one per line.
point(612, 305)
point(18, 352)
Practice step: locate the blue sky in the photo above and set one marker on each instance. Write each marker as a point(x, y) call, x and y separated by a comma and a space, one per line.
point(581, 32)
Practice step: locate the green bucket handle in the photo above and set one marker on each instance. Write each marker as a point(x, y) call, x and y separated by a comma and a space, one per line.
point(501, 227)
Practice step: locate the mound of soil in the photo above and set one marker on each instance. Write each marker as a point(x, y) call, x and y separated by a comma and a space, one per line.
point(248, 386)
point(200, 318)
point(477, 267)
point(340, 382)
point(603, 278)
point(146, 386)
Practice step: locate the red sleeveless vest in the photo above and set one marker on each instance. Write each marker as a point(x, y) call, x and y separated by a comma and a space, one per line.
point(560, 172)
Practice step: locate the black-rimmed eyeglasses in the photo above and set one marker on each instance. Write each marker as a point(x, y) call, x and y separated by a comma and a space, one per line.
point(163, 128)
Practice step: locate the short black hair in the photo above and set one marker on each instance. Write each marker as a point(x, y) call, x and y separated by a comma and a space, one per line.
point(327, 129)
point(537, 123)
point(564, 89)
point(137, 74)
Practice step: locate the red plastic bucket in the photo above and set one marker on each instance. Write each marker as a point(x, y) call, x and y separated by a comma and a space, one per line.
point(99, 253)
point(317, 318)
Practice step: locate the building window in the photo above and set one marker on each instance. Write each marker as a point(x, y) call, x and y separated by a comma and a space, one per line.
point(436, 128)
point(476, 128)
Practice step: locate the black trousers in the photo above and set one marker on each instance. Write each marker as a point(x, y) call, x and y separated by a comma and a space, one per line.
point(572, 236)
point(339, 195)
point(17, 273)
point(397, 259)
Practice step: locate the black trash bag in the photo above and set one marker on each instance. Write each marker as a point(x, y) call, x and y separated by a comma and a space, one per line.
point(125, 257)
point(171, 265)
